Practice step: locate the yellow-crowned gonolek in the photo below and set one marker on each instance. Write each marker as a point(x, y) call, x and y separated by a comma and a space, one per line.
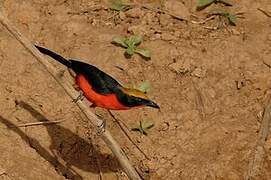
point(100, 88)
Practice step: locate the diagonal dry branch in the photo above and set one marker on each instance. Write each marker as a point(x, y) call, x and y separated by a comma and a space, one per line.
point(106, 136)
point(256, 162)
point(265, 12)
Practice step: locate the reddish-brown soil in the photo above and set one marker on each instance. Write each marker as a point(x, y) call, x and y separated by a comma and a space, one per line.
point(212, 86)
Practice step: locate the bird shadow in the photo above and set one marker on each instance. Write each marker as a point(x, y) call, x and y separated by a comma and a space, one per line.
point(67, 150)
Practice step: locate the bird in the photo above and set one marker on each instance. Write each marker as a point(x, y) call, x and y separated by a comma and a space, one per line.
point(101, 89)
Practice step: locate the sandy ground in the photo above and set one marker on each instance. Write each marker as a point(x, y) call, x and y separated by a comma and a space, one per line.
point(212, 86)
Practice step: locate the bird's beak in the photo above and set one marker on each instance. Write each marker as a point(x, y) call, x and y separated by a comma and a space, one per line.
point(152, 104)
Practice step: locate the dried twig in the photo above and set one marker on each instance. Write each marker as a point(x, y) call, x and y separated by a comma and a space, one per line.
point(99, 166)
point(267, 64)
point(211, 28)
point(265, 13)
point(40, 123)
point(204, 21)
point(106, 136)
point(127, 135)
point(256, 162)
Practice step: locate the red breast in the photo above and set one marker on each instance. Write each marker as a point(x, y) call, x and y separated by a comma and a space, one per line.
point(108, 101)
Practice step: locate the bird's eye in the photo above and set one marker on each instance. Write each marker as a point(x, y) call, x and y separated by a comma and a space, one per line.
point(139, 99)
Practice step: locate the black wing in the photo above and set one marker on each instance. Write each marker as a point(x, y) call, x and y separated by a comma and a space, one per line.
point(101, 82)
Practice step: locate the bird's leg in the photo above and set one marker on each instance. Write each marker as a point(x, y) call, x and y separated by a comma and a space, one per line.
point(79, 97)
point(101, 127)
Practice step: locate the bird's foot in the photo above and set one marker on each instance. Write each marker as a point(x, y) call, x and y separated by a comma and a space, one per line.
point(101, 127)
point(79, 97)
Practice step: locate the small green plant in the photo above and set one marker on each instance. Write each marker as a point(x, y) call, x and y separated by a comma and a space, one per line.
point(130, 44)
point(143, 127)
point(144, 86)
point(204, 3)
point(230, 16)
point(119, 5)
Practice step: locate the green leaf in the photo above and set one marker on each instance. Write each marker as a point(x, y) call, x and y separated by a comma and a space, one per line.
point(143, 127)
point(144, 52)
point(118, 5)
point(120, 41)
point(135, 40)
point(130, 51)
point(144, 86)
point(203, 3)
point(132, 41)
point(227, 3)
point(232, 19)
point(130, 44)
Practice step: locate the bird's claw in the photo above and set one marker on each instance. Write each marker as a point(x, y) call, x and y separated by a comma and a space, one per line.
point(101, 128)
point(79, 97)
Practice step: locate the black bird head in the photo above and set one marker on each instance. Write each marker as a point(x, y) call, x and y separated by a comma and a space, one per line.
point(136, 98)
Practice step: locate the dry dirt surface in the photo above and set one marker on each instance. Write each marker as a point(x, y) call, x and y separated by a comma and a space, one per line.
point(211, 80)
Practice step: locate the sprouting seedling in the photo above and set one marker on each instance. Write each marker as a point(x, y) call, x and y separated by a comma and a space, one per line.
point(230, 16)
point(119, 5)
point(204, 3)
point(143, 127)
point(130, 44)
point(144, 86)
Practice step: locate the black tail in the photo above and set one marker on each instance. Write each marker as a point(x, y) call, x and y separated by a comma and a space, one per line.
point(54, 55)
